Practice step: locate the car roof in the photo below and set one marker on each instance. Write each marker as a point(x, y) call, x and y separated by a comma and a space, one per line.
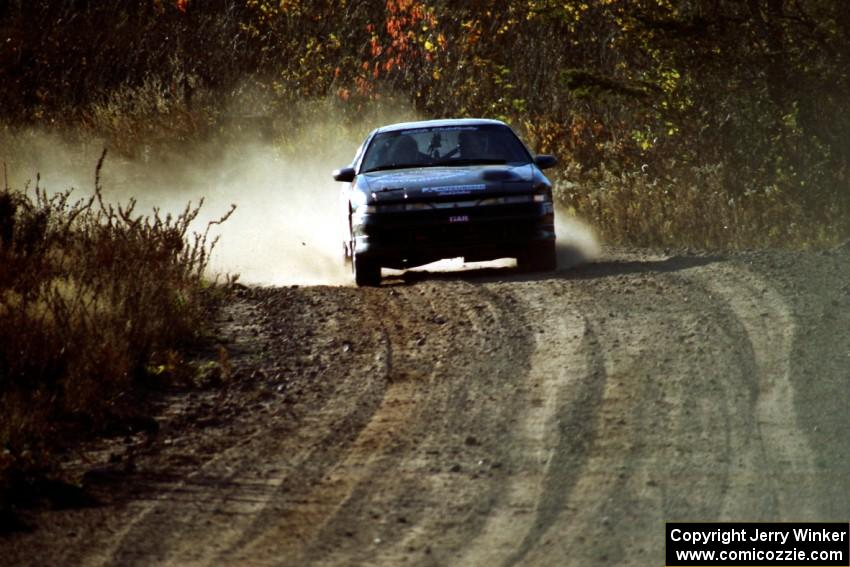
point(443, 123)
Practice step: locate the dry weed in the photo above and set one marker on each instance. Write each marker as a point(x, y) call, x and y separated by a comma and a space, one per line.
point(90, 294)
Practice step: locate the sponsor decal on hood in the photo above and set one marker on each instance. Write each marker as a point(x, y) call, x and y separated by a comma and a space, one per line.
point(455, 189)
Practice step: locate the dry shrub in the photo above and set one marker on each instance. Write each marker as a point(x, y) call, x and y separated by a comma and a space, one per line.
point(91, 296)
point(153, 113)
point(695, 211)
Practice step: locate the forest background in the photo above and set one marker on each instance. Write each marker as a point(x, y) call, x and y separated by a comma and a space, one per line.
point(704, 123)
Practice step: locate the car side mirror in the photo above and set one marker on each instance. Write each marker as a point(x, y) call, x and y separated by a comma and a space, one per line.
point(344, 174)
point(544, 161)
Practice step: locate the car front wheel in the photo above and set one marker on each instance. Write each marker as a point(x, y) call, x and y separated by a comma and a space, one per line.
point(366, 271)
point(539, 258)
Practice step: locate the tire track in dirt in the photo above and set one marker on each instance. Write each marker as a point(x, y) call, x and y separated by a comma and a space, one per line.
point(591, 499)
point(318, 507)
point(553, 434)
point(265, 499)
point(778, 446)
point(238, 483)
point(423, 482)
point(494, 419)
point(686, 432)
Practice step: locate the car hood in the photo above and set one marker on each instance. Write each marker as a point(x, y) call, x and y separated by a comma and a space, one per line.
point(440, 183)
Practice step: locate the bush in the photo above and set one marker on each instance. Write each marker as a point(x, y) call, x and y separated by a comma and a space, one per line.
point(695, 210)
point(92, 297)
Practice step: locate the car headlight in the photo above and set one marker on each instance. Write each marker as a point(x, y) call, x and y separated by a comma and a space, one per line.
point(359, 203)
point(542, 193)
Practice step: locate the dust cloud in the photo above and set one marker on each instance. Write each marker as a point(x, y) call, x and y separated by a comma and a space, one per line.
point(577, 243)
point(287, 225)
point(285, 229)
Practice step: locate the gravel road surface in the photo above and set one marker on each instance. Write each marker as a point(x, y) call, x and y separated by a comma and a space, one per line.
point(488, 418)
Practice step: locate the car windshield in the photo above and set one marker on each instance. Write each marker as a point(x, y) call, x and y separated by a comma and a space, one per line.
point(444, 146)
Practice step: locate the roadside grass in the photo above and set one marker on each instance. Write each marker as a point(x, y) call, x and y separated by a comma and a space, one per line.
point(94, 298)
point(697, 211)
point(147, 112)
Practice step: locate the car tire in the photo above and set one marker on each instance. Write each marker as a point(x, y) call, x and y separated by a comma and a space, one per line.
point(366, 272)
point(539, 258)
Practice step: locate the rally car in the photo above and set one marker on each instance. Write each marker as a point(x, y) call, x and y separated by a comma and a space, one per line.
point(418, 192)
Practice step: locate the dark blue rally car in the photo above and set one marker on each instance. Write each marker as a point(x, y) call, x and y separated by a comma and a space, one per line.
point(418, 192)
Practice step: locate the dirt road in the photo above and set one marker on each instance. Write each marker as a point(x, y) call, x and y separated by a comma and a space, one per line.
point(490, 418)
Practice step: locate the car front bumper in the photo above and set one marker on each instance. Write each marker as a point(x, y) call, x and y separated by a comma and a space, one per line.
point(411, 238)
